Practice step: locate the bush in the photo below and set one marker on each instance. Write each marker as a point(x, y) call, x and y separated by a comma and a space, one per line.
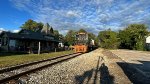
point(108, 39)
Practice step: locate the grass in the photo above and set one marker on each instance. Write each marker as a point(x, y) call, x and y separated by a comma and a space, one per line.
point(15, 59)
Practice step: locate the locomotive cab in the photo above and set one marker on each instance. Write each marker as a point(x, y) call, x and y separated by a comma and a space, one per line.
point(81, 42)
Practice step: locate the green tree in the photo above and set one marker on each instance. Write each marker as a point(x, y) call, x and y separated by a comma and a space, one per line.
point(57, 35)
point(56, 32)
point(39, 26)
point(133, 37)
point(108, 39)
point(32, 25)
point(82, 30)
point(61, 38)
point(94, 37)
point(91, 36)
point(70, 37)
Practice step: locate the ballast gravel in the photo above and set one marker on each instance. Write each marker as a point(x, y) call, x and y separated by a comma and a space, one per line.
point(79, 70)
point(26, 68)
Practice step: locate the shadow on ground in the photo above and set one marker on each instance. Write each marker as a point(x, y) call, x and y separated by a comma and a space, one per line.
point(3, 54)
point(105, 77)
point(137, 73)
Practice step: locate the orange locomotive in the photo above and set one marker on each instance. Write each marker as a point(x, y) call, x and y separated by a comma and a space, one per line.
point(81, 42)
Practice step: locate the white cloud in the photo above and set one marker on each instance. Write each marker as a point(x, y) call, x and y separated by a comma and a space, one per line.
point(93, 15)
point(63, 32)
point(73, 14)
point(2, 29)
point(16, 31)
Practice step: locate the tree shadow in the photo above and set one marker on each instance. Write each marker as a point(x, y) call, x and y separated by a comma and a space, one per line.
point(105, 77)
point(137, 73)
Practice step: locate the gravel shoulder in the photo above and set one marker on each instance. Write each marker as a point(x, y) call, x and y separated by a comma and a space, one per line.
point(80, 70)
point(90, 68)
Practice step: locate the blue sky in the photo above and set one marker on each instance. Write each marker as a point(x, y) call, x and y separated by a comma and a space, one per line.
point(92, 15)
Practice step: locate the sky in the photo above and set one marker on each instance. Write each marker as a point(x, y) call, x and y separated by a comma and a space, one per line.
point(64, 15)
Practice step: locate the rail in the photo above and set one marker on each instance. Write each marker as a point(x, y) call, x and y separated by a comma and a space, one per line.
point(49, 62)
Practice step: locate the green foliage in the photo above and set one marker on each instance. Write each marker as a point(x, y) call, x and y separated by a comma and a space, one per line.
point(70, 37)
point(82, 30)
point(58, 36)
point(56, 33)
point(94, 37)
point(39, 26)
point(108, 39)
point(61, 38)
point(91, 36)
point(32, 25)
point(133, 37)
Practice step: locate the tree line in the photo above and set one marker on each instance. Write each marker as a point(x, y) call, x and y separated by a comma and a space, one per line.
point(131, 37)
point(37, 26)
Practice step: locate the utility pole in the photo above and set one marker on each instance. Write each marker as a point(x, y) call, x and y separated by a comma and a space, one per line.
point(39, 47)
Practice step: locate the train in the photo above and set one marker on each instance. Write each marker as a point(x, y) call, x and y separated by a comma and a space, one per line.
point(82, 43)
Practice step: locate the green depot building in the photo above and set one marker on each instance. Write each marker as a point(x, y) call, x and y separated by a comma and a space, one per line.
point(28, 41)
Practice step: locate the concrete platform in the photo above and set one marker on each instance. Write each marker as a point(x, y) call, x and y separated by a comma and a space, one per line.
point(138, 64)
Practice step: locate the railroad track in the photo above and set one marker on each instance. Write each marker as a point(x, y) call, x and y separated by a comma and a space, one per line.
point(15, 72)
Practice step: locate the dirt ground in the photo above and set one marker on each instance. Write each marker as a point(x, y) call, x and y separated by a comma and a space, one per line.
point(138, 62)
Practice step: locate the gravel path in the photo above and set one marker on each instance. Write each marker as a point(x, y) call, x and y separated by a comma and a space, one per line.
point(82, 69)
